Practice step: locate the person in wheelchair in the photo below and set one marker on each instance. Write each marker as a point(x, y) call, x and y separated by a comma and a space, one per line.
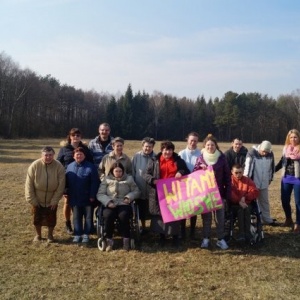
point(243, 193)
point(115, 193)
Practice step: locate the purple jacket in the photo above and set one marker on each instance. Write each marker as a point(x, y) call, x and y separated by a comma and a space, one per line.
point(222, 174)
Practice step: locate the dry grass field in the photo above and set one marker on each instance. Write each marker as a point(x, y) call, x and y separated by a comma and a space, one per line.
point(63, 270)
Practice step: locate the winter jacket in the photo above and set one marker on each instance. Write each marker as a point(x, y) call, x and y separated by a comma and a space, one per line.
point(233, 157)
point(115, 190)
point(222, 174)
point(66, 153)
point(82, 183)
point(98, 151)
point(109, 159)
point(45, 183)
point(139, 166)
point(259, 168)
point(153, 173)
point(243, 187)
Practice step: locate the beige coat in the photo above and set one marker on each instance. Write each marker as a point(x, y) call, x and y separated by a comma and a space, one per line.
point(113, 190)
point(44, 184)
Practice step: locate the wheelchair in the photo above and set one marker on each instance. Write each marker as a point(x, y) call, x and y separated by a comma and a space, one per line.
point(135, 227)
point(256, 226)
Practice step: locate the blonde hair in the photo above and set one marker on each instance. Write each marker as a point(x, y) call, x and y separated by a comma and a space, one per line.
point(292, 131)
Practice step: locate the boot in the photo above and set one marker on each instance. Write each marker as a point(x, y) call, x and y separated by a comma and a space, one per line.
point(69, 227)
point(126, 242)
point(110, 243)
point(288, 222)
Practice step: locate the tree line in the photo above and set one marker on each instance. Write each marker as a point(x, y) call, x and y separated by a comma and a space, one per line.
point(33, 106)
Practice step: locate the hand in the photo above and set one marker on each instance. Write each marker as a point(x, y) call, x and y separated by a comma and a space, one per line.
point(92, 199)
point(111, 204)
point(178, 175)
point(243, 204)
point(126, 201)
point(203, 166)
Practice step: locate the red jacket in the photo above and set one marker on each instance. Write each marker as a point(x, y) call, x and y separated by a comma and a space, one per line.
point(243, 187)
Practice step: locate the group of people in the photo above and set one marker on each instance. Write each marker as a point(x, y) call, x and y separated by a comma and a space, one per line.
point(85, 175)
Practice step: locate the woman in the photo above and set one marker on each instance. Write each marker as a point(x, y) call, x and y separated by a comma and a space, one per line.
point(166, 164)
point(116, 192)
point(139, 165)
point(116, 155)
point(290, 164)
point(82, 183)
point(66, 156)
point(44, 187)
point(212, 156)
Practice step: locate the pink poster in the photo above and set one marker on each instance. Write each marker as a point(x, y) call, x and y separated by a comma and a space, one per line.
point(187, 196)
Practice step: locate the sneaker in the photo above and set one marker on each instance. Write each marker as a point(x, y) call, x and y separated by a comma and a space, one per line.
point(76, 239)
point(205, 243)
point(222, 244)
point(37, 238)
point(110, 243)
point(85, 238)
point(69, 229)
point(50, 239)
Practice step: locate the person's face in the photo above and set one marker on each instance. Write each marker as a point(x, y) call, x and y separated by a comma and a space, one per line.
point(104, 132)
point(263, 153)
point(118, 147)
point(237, 173)
point(237, 145)
point(147, 148)
point(79, 156)
point(118, 172)
point(167, 153)
point(75, 137)
point(294, 140)
point(47, 157)
point(192, 142)
point(210, 147)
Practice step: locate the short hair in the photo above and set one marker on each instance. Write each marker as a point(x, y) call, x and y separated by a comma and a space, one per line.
point(193, 133)
point(210, 137)
point(105, 125)
point(116, 165)
point(167, 145)
point(148, 140)
point(79, 149)
point(237, 138)
point(48, 149)
point(117, 139)
point(236, 166)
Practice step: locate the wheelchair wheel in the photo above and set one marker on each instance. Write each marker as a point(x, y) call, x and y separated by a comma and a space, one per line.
point(102, 244)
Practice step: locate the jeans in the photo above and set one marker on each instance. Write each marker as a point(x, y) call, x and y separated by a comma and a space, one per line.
point(80, 212)
point(286, 192)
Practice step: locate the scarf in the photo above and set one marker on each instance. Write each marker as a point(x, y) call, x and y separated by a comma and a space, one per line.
point(292, 152)
point(211, 158)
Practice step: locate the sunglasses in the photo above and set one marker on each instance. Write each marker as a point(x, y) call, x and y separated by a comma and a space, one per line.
point(76, 134)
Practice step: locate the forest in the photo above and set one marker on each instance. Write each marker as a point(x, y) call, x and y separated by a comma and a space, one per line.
point(34, 106)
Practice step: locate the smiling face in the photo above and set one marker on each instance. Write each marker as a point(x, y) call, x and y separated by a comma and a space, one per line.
point(118, 148)
point(167, 153)
point(294, 139)
point(47, 157)
point(237, 145)
point(210, 147)
point(75, 138)
point(104, 132)
point(192, 142)
point(147, 148)
point(79, 156)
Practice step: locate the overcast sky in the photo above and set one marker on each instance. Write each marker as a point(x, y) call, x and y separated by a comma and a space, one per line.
point(177, 47)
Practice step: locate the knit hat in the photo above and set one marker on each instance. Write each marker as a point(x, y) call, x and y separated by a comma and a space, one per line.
point(265, 146)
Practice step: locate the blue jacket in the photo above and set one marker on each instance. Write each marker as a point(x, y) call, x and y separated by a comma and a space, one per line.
point(82, 183)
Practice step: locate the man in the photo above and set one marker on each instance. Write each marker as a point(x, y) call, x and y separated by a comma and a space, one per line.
point(259, 166)
point(236, 154)
point(101, 145)
point(189, 155)
point(44, 187)
point(139, 166)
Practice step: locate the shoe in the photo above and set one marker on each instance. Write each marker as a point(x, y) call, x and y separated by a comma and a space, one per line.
point(205, 243)
point(288, 223)
point(50, 239)
point(175, 241)
point(126, 245)
point(110, 243)
point(296, 228)
point(69, 229)
point(85, 238)
point(222, 244)
point(241, 238)
point(37, 238)
point(144, 231)
point(76, 239)
point(274, 224)
point(192, 235)
point(162, 240)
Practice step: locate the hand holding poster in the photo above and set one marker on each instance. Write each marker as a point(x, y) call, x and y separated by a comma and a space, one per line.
point(187, 196)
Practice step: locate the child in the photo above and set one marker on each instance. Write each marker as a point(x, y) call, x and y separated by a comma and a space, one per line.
point(243, 192)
